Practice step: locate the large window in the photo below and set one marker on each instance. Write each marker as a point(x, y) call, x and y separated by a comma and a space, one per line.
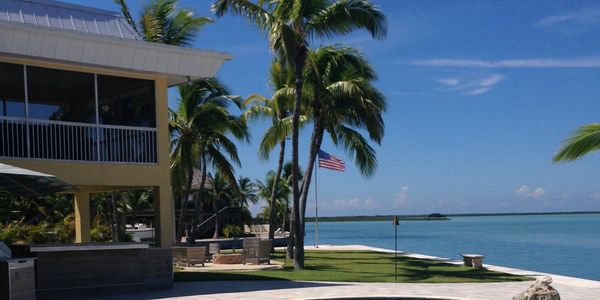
point(12, 90)
point(61, 95)
point(126, 101)
point(65, 115)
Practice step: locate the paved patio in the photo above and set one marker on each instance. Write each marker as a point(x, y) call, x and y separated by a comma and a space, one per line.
point(329, 290)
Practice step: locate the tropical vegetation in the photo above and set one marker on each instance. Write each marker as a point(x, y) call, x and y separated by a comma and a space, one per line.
point(290, 27)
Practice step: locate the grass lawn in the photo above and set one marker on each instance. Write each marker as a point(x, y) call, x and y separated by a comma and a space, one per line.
point(359, 266)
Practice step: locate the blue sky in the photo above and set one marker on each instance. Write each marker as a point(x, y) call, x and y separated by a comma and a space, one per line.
point(480, 94)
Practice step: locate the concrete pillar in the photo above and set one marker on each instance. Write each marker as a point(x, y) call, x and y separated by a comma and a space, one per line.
point(82, 217)
point(163, 215)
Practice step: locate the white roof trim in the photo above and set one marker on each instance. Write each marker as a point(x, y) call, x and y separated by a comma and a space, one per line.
point(177, 63)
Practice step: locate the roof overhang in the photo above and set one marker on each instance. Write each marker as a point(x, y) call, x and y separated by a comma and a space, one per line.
point(178, 64)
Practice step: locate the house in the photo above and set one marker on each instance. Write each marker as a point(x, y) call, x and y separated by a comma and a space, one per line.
point(84, 98)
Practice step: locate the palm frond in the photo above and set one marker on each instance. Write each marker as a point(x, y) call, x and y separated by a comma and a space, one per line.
point(584, 140)
point(253, 13)
point(344, 16)
point(357, 147)
point(127, 15)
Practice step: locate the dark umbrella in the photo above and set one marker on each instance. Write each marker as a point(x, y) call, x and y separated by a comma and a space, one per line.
point(23, 182)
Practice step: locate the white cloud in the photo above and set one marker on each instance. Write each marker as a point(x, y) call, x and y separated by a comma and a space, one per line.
point(565, 196)
point(492, 80)
point(575, 22)
point(479, 91)
point(449, 81)
point(590, 62)
point(472, 87)
point(595, 196)
point(524, 192)
point(352, 203)
point(401, 198)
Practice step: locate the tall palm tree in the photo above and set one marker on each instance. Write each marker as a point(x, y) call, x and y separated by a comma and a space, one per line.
point(343, 103)
point(199, 126)
point(583, 140)
point(290, 25)
point(277, 108)
point(161, 22)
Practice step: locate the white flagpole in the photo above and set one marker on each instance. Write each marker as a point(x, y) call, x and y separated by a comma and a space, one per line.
point(316, 207)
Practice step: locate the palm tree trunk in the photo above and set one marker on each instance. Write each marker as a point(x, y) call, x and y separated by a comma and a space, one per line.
point(217, 233)
point(315, 144)
point(298, 234)
point(275, 188)
point(113, 202)
point(184, 197)
point(198, 204)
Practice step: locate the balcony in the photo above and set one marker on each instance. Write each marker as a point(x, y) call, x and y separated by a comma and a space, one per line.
point(22, 138)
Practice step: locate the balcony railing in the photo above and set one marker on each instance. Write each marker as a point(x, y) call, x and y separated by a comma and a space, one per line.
point(56, 140)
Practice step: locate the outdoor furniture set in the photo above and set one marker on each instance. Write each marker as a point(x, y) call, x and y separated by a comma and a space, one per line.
point(255, 251)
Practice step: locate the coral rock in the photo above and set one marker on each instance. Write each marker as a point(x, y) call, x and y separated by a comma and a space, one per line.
point(540, 290)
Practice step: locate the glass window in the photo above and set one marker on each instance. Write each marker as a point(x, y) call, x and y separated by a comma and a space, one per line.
point(61, 95)
point(12, 90)
point(126, 101)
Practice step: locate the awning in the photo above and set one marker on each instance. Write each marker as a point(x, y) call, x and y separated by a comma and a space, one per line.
point(23, 182)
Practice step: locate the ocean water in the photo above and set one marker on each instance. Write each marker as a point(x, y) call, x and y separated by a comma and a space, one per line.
point(560, 244)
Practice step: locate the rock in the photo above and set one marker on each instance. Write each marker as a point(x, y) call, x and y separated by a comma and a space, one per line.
point(540, 290)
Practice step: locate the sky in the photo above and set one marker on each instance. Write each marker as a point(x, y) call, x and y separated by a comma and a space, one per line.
point(480, 95)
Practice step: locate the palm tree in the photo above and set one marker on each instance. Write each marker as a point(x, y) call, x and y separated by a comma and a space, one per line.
point(289, 26)
point(276, 209)
point(135, 201)
point(246, 193)
point(343, 103)
point(199, 126)
point(221, 193)
point(161, 22)
point(583, 140)
point(277, 108)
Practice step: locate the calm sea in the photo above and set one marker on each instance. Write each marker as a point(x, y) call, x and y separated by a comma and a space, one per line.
point(559, 244)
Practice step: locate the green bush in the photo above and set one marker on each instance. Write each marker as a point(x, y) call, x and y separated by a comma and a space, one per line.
point(231, 231)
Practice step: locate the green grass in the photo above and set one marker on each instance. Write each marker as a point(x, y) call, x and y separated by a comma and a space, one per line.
point(359, 266)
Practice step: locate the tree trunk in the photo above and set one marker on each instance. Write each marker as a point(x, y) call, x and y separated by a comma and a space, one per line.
point(184, 197)
point(217, 233)
point(275, 188)
point(113, 202)
point(198, 204)
point(298, 233)
point(315, 145)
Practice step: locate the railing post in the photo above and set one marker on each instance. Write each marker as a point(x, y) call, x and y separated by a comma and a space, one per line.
point(26, 112)
point(97, 117)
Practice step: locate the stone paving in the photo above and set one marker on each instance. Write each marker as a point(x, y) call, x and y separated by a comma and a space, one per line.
point(568, 287)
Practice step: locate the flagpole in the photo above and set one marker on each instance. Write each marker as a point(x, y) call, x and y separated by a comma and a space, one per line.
point(316, 207)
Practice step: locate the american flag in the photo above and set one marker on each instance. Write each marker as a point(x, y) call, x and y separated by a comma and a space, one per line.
point(331, 162)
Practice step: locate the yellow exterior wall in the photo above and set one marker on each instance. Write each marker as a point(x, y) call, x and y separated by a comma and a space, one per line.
point(96, 177)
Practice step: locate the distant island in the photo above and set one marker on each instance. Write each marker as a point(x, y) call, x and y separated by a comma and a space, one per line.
point(429, 217)
point(437, 216)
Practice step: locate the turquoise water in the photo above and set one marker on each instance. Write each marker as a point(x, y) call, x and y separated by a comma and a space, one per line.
point(559, 244)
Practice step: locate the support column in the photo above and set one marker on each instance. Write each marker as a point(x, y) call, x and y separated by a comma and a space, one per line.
point(82, 217)
point(163, 216)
